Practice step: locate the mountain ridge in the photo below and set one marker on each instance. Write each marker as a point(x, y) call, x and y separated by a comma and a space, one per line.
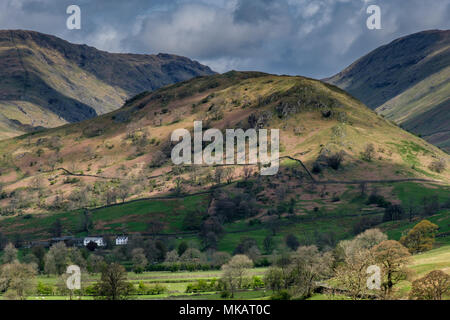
point(407, 81)
point(74, 82)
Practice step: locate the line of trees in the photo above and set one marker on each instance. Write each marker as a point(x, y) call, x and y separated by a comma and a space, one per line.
point(296, 270)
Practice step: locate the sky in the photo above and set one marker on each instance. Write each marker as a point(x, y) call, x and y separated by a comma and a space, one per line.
point(314, 38)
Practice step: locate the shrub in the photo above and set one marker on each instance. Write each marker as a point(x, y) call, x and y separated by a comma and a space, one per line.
point(138, 269)
point(393, 212)
point(43, 289)
point(438, 165)
point(91, 290)
point(364, 224)
point(281, 295)
point(245, 184)
point(334, 161)
point(158, 159)
point(193, 221)
point(174, 267)
point(71, 180)
point(264, 262)
point(378, 200)
point(368, 153)
point(431, 287)
point(92, 131)
point(430, 205)
point(257, 282)
point(316, 169)
point(336, 198)
point(292, 242)
point(156, 289)
point(202, 286)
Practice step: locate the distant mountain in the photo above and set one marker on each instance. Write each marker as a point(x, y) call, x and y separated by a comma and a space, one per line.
point(407, 81)
point(46, 81)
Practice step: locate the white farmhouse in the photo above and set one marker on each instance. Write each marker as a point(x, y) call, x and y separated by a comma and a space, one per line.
point(121, 240)
point(98, 240)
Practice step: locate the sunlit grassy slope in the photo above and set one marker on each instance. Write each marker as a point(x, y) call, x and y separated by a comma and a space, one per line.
point(314, 119)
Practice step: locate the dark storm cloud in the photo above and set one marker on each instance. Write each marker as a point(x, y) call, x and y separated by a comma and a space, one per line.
point(315, 38)
point(253, 11)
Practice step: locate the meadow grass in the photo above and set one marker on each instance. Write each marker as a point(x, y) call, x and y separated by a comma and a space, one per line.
point(131, 216)
point(420, 265)
point(177, 282)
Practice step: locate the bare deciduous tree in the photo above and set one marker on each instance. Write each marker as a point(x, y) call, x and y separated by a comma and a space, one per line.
point(352, 276)
point(392, 258)
point(9, 253)
point(368, 153)
point(438, 165)
point(235, 271)
point(218, 174)
point(431, 287)
point(17, 280)
point(123, 191)
point(113, 284)
point(248, 171)
point(229, 174)
point(139, 260)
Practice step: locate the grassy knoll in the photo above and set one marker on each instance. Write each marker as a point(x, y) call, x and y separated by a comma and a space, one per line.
point(436, 259)
point(414, 192)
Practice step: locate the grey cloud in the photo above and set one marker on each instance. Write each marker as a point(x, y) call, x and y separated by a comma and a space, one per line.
point(254, 11)
point(309, 37)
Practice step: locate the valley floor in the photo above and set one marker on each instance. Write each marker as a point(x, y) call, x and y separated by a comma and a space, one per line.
point(176, 283)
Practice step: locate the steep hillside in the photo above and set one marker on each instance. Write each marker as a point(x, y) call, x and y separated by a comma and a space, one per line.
point(408, 81)
point(424, 109)
point(46, 81)
point(128, 150)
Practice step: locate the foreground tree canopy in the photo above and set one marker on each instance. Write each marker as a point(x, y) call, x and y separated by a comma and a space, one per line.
point(421, 237)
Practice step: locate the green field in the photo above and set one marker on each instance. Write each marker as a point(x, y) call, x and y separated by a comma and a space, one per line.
point(398, 228)
point(436, 259)
point(128, 217)
point(174, 282)
point(333, 219)
point(421, 264)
